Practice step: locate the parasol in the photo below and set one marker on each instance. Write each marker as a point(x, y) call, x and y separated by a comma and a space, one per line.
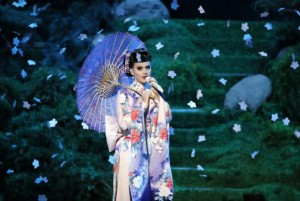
point(100, 78)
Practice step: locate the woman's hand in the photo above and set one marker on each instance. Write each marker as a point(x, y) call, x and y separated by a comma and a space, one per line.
point(146, 95)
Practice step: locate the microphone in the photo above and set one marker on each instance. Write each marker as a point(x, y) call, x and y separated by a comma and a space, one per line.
point(154, 85)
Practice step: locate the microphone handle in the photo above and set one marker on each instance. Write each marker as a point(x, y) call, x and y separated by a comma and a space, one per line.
point(160, 93)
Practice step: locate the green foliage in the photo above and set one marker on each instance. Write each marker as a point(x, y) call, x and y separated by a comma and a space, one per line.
point(81, 162)
point(286, 93)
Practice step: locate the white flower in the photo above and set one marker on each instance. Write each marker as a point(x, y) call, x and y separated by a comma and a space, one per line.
point(191, 104)
point(42, 197)
point(52, 123)
point(274, 117)
point(263, 54)
point(286, 121)
point(199, 94)
point(122, 98)
point(35, 163)
point(137, 181)
point(84, 126)
point(243, 105)
point(172, 74)
point(244, 26)
point(297, 134)
point(201, 138)
point(237, 128)
point(26, 105)
point(223, 81)
point(31, 62)
point(82, 36)
point(215, 52)
point(268, 26)
point(294, 65)
point(215, 111)
point(159, 45)
point(164, 191)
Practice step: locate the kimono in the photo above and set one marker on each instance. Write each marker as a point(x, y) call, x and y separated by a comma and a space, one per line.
point(141, 167)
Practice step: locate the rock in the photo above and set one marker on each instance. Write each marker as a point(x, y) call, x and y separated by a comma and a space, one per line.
point(283, 52)
point(141, 9)
point(253, 90)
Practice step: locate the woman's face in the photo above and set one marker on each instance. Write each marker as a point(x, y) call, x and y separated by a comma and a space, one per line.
point(140, 71)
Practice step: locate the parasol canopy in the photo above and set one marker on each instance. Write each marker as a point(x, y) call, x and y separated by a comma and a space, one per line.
point(100, 77)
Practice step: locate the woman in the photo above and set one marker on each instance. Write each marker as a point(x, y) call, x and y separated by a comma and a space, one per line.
point(141, 164)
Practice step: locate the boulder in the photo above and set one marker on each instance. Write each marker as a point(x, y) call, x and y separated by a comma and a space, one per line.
point(141, 9)
point(253, 90)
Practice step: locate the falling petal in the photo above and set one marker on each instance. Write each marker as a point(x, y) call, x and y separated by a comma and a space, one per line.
point(200, 24)
point(127, 20)
point(82, 36)
point(77, 117)
point(176, 55)
point(31, 62)
point(166, 21)
point(193, 153)
point(264, 14)
point(37, 100)
point(84, 126)
point(159, 45)
point(200, 168)
point(33, 25)
point(62, 164)
point(49, 76)
point(201, 138)
point(254, 154)
point(201, 10)
point(215, 111)
point(23, 73)
point(9, 171)
point(133, 27)
point(20, 3)
point(263, 54)
point(34, 11)
point(199, 94)
point(174, 5)
point(223, 81)
point(111, 159)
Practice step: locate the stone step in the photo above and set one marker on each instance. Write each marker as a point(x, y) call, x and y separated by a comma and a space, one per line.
point(194, 117)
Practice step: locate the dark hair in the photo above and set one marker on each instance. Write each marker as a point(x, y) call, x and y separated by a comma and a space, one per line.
point(144, 57)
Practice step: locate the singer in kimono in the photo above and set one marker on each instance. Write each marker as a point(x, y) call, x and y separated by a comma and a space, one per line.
point(141, 167)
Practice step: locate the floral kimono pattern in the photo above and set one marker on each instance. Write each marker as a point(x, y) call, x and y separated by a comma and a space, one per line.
point(145, 139)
